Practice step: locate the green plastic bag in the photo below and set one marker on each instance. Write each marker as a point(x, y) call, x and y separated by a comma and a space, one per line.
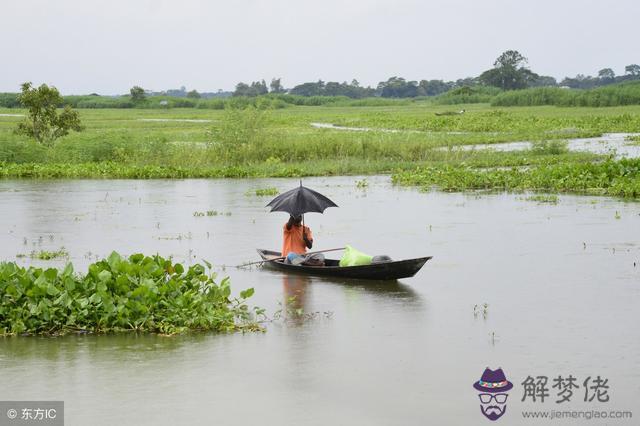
point(353, 257)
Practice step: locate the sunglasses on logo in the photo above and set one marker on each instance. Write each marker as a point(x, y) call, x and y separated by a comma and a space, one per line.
point(500, 398)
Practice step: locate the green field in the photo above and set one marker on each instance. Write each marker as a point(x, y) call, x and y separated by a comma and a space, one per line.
point(407, 137)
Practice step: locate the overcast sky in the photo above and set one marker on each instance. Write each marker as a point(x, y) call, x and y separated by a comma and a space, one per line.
point(84, 46)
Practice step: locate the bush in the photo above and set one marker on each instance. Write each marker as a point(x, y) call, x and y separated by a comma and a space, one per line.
point(139, 293)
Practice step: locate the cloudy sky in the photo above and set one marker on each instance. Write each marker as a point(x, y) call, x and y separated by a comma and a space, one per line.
point(84, 46)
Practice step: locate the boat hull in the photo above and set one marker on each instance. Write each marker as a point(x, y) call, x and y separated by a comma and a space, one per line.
point(378, 271)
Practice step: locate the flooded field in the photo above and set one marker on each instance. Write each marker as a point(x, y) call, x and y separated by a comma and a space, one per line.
point(616, 144)
point(561, 284)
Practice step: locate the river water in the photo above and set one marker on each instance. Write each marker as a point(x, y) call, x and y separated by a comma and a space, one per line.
point(562, 290)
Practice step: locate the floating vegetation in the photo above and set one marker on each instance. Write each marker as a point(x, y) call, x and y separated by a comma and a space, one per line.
point(263, 192)
point(617, 178)
point(617, 215)
point(211, 213)
point(481, 310)
point(554, 147)
point(362, 184)
point(633, 140)
point(544, 198)
point(49, 255)
point(291, 312)
point(178, 237)
point(138, 293)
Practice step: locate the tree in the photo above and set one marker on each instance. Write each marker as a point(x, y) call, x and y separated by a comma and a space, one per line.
point(398, 87)
point(193, 94)
point(510, 58)
point(544, 81)
point(606, 74)
point(433, 87)
point(509, 72)
point(275, 86)
point(44, 123)
point(137, 94)
point(257, 88)
point(632, 69)
point(309, 89)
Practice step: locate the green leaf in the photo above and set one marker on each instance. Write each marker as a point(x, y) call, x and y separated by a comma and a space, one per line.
point(114, 260)
point(68, 270)
point(247, 293)
point(52, 290)
point(51, 274)
point(104, 276)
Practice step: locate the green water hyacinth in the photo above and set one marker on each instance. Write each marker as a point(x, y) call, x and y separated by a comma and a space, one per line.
point(138, 293)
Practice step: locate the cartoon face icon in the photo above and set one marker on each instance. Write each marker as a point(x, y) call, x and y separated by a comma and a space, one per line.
point(493, 389)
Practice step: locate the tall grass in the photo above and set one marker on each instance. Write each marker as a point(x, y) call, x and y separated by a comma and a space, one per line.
point(612, 95)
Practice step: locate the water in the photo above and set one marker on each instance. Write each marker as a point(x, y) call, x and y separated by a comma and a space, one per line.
point(560, 282)
point(609, 143)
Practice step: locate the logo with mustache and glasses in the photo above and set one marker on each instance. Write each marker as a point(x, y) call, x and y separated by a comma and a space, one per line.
point(493, 387)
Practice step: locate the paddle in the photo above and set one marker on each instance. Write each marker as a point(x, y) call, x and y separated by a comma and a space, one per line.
point(284, 257)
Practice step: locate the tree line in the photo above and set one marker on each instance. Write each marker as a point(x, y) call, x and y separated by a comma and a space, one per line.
point(510, 71)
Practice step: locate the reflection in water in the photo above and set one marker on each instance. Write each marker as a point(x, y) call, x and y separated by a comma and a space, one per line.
point(390, 289)
point(294, 287)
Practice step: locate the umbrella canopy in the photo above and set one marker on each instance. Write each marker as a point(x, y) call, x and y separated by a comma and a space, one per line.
point(300, 200)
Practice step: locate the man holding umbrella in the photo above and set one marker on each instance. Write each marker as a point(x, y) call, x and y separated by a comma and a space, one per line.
point(296, 239)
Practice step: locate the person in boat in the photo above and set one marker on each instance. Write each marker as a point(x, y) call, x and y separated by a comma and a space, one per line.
point(296, 239)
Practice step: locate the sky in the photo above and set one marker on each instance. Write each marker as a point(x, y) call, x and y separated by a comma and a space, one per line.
point(106, 47)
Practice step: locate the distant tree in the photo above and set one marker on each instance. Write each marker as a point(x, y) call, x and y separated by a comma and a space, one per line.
point(433, 87)
point(544, 81)
point(469, 81)
point(309, 89)
point(398, 87)
point(137, 94)
point(633, 70)
point(44, 123)
point(193, 94)
point(276, 86)
point(242, 89)
point(256, 88)
point(509, 72)
point(580, 81)
point(606, 75)
point(259, 88)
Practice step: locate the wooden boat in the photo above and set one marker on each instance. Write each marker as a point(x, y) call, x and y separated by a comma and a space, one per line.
point(376, 271)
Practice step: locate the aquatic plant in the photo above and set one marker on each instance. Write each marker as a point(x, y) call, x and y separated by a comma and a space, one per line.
point(616, 178)
point(362, 183)
point(544, 198)
point(49, 255)
point(261, 192)
point(138, 293)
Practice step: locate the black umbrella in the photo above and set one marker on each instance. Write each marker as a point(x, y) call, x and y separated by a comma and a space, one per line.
point(300, 200)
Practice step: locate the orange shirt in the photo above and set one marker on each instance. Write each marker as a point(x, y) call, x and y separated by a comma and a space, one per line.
point(292, 240)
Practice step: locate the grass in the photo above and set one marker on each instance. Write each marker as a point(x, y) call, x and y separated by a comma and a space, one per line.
point(627, 93)
point(405, 137)
point(139, 293)
point(633, 140)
